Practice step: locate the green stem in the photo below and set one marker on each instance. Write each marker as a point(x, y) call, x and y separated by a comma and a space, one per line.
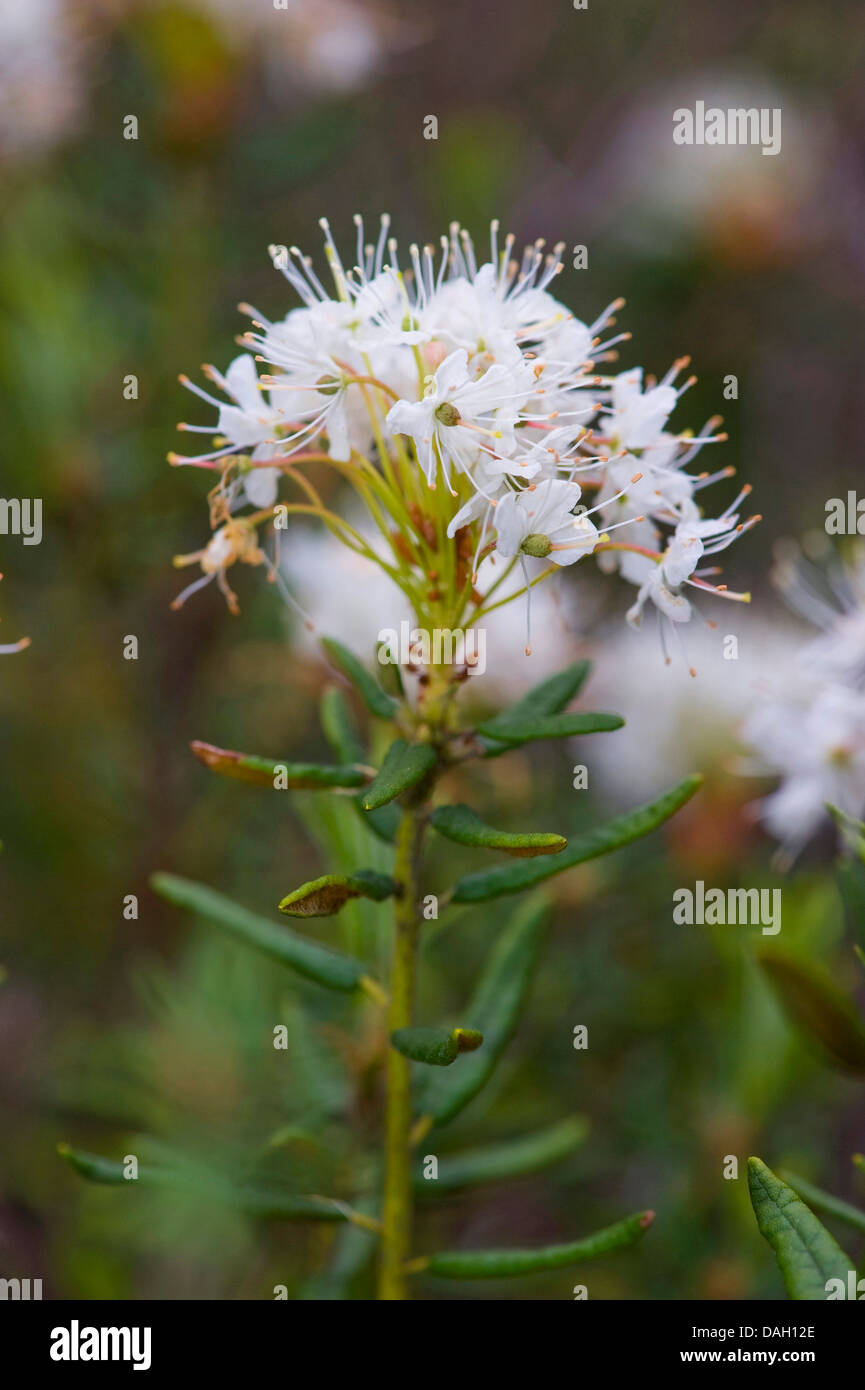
point(397, 1203)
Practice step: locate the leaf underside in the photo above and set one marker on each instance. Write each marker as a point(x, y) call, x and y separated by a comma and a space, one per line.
point(322, 897)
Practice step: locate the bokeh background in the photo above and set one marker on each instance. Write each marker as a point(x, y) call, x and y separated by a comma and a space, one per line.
point(129, 256)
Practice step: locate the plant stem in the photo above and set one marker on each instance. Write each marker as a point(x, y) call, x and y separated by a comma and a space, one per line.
point(397, 1203)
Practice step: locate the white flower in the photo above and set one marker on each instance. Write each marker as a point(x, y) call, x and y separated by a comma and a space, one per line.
point(251, 423)
point(638, 416)
point(818, 750)
point(678, 564)
point(478, 373)
point(544, 513)
point(459, 413)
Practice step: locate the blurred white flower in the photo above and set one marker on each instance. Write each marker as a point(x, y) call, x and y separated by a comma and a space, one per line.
point(676, 725)
point(816, 745)
point(809, 731)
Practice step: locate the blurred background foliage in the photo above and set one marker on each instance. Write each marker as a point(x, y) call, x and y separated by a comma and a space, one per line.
point(121, 256)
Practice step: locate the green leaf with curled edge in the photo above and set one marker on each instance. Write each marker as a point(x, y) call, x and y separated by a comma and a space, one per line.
point(494, 1010)
point(367, 687)
point(250, 1199)
point(503, 1264)
point(271, 772)
point(515, 878)
point(816, 1006)
point(808, 1256)
point(329, 968)
point(514, 1158)
point(436, 1047)
point(462, 825)
point(515, 731)
point(321, 897)
point(550, 696)
point(405, 765)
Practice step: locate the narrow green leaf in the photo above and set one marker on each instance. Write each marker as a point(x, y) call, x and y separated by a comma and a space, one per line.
point(461, 824)
point(501, 1264)
point(369, 690)
point(437, 1047)
point(807, 1255)
point(390, 674)
point(270, 772)
point(816, 1007)
point(254, 1201)
point(494, 1011)
point(514, 878)
point(324, 896)
point(824, 1202)
point(314, 962)
point(528, 728)
point(338, 726)
point(549, 697)
point(512, 1159)
point(405, 764)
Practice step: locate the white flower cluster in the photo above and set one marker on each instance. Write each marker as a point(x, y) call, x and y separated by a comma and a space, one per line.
point(491, 388)
point(812, 734)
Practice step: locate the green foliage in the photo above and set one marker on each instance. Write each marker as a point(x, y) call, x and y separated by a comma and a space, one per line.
point(547, 698)
point(326, 895)
point(307, 958)
point(514, 878)
point(338, 726)
point(494, 1010)
point(404, 766)
point(437, 1093)
point(263, 772)
point(252, 1200)
point(808, 1256)
point(824, 1202)
point(851, 873)
point(375, 699)
point(516, 730)
point(462, 825)
point(436, 1047)
point(819, 1010)
point(515, 1158)
point(502, 1264)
